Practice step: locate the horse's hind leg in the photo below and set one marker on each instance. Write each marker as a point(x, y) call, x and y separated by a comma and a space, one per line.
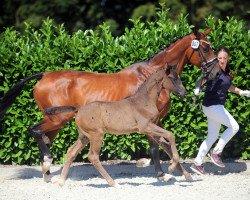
point(44, 132)
point(93, 156)
point(166, 147)
point(48, 137)
point(72, 152)
point(38, 134)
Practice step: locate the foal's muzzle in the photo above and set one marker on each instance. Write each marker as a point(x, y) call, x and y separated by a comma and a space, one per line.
point(182, 93)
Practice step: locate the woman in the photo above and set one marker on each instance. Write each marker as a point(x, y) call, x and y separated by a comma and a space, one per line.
point(213, 108)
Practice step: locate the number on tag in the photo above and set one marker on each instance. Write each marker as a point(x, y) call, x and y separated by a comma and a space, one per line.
point(195, 44)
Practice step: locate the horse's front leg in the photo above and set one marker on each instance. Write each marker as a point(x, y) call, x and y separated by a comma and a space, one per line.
point(154, 152)
point(155, 156)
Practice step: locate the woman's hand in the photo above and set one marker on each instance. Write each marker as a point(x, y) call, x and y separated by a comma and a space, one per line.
point(198, 91)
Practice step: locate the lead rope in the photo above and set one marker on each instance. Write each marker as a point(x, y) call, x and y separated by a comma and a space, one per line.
point(196, 98)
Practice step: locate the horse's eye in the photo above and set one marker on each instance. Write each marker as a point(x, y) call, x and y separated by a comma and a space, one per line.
point(206, 49)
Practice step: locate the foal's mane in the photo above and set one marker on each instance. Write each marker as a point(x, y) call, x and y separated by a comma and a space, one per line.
point(156, 76)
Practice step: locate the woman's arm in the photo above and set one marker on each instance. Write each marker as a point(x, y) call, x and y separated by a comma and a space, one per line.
point(234, 89)
point(237, 90)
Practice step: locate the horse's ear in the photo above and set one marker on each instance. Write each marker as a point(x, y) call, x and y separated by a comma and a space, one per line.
point(207, 31)
point(196, 33)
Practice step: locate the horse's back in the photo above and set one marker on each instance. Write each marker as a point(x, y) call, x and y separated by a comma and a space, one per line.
point(77, 88)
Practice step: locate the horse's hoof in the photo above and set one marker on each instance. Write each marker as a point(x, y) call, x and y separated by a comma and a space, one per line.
point(188, 177)
point(166, 178)
point(46, 164)
point(143, 162)
point(57, 180)
point(47, 178)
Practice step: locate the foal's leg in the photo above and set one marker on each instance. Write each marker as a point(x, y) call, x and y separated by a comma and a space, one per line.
point(160, 174)
point(155, 158)
point(93, 156)
point(72, 152)
point(155, 130)
point(167, 148)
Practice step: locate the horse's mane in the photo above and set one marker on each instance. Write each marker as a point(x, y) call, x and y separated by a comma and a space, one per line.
point(167, 46)
point(162, 49)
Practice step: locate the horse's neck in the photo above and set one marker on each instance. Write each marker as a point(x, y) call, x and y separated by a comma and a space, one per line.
point(172, 55)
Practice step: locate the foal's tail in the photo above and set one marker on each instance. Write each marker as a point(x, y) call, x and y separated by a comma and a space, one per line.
point(54, 110)
point(12, 94)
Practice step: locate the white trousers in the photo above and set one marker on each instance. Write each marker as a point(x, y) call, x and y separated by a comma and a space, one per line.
point(216, 115)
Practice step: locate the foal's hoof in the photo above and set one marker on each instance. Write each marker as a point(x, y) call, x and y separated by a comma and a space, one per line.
point(166, 178)
point(116, 185)
point(57, 180)
point(143, 162)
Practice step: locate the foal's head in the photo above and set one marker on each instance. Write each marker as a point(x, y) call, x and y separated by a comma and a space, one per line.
point(173, 82)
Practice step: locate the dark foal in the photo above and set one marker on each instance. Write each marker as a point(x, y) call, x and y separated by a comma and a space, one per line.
point(137, 113)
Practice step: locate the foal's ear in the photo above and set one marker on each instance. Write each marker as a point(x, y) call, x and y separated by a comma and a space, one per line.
point(168, 70)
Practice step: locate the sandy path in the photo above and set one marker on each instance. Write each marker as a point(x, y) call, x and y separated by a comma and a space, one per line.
point(84, 182)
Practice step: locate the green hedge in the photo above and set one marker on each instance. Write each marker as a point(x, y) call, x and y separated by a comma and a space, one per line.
point(51, 48)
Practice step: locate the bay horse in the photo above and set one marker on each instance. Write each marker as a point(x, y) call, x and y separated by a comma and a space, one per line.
point(77, 88)
point(136, 113)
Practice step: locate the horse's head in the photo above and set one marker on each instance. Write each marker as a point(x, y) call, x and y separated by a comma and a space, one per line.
point(173, 82)
point(201, 54)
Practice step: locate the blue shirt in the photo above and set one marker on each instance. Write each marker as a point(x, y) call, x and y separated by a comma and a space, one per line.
point(216, 91)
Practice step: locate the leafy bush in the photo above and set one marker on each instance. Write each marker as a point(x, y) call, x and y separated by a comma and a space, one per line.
point(51, 48)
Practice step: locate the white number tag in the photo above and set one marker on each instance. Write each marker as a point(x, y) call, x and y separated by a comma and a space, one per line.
point(195, 44)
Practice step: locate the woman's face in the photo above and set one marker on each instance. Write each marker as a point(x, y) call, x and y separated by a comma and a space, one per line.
point(223, 59)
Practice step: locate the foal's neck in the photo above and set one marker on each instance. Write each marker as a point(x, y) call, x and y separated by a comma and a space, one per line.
point(150, 89)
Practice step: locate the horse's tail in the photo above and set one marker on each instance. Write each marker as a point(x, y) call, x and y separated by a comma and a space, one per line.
point(12, 94)
point(54, 110)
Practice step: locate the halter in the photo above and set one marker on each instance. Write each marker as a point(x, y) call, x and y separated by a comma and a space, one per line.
point(206, 66)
